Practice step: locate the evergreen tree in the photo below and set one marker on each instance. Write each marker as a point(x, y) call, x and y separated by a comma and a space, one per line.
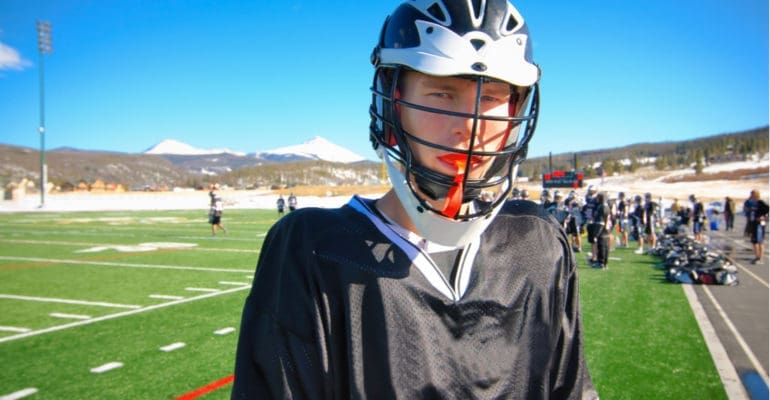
point(635, 164)
point(698, 162)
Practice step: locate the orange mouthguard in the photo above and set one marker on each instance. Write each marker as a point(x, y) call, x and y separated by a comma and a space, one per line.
point(454, 197)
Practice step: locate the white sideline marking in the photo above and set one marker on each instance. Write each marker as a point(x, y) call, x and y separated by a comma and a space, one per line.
point(13, 329)
point(118, 315)
point(116, 264)
point(233, 283)
point(753, 275)
point(725, 368)
point(69, 316)
point(737, 335)
point(65, 301)
point(201, 289)
point(165, 297)
point(106, 367)
point(224, 331)
point(20, 394)
point(172, 347)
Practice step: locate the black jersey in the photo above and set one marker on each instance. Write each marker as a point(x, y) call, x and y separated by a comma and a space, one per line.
point(343, 307)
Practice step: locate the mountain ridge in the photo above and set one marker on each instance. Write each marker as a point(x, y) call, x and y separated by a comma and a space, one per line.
point(315, 148)
point(282, 167)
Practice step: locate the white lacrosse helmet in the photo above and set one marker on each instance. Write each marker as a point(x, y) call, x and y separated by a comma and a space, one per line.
point(483, 41)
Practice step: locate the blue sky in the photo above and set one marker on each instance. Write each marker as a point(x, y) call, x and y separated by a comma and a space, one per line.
point(258, 75)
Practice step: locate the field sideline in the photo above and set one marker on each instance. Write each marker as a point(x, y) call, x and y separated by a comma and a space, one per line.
point(146, 305)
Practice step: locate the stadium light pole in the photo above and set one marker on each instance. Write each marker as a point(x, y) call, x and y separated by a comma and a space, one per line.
point(43, 47)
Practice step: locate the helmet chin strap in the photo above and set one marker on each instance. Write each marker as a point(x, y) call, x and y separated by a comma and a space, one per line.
point(454, 198)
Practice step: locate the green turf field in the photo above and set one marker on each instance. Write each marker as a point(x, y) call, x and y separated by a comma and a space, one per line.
point(82, 290)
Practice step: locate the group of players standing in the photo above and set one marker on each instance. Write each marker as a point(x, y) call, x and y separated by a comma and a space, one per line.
point(597, 215)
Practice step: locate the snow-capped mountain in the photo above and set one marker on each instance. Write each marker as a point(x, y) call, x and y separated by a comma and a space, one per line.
point(316, 148)
point(171, 146)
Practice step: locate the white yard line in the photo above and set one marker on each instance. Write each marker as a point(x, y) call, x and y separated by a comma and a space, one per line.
point(116, 264)
point(234, 283)
point(69, 316)
point(67, 301)
point(172, 347)
point(118, 315)
point(64, 243)
point(165, 297)
point(106, 367)
point(224, 331)
point(727, 373)
point(20, 394)
point(200, 289)
point(204, 237)
point(14, 329)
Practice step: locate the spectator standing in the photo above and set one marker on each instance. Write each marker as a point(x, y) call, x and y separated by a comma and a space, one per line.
point(746, 228)
point(757, 212)
point(292, 202)
point(675, 209)
point(698, 216)
point(729, 213)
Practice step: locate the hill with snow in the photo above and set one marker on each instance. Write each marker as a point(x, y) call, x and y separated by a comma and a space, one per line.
point(171, 146)
point(316, 148)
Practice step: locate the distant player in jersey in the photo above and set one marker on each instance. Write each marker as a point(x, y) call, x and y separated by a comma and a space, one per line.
point(280, 204)
point(637, 218)
point(588, 213)
point(574, 223)
point(213, 193)
point(650, 220)
point(292, 202)
point(545, 199)
point(215, 215)
point(602, 230)
point(441, 289)
point(621, 218)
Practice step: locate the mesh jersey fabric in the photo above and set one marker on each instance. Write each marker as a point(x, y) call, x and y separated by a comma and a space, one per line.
point(338, 310)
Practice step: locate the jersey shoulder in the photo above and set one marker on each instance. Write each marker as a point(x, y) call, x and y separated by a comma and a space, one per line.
point(342, 237)
point(526, 208)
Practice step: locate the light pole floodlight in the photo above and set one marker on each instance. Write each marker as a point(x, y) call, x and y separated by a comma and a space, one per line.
point(43, 47)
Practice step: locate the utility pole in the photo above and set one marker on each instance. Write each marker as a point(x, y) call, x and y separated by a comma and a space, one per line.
point(43, 47)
